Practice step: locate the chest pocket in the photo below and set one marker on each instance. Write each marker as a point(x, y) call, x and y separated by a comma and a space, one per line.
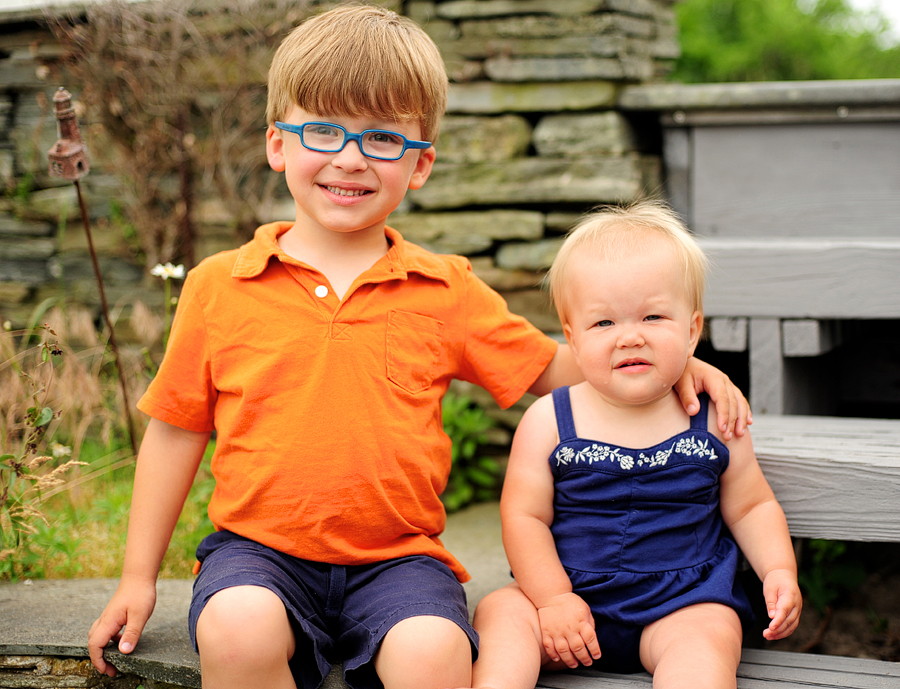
point(413, 349)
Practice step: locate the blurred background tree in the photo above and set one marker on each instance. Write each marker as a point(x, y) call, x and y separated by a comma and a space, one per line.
point(782, 40)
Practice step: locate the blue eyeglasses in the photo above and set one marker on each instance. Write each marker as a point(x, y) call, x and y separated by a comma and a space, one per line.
point(325, 137)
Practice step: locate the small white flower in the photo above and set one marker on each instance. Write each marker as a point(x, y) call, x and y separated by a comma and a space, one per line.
point(7, 325)
point(60, 450)
point(564, 455)
point(168, 271)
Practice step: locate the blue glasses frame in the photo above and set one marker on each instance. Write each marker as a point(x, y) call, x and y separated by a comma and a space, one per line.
point(349, 136)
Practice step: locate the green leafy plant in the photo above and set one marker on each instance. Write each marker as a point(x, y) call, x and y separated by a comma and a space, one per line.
point(473, 477)
point(829, 574)
point(28, 471)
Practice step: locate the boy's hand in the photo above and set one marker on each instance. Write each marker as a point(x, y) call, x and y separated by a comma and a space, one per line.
point(732, 408)
point(783, 601)
point(130, 607)
point(567, 630)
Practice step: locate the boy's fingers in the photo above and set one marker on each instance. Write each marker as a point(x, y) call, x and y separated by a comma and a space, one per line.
point(99, 636)
point(688, 396)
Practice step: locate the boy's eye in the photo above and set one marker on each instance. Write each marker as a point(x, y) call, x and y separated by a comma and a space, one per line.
point(653, 318)
point(385, 138)
point(604, 323)
point(324, 131)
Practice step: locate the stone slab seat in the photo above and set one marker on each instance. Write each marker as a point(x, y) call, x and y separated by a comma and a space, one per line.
point(836, 478)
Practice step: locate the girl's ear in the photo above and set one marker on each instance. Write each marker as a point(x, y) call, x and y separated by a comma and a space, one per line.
point(275, 148)
point(423, 168)
point(567, 332)
point(696, 331)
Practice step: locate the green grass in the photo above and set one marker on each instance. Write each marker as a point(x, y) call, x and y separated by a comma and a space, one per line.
point(87, 524)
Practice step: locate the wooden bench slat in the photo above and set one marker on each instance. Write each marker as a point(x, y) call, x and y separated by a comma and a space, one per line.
point(777, 277)
point(851, 495)
point(816, 661)
point(759, 669)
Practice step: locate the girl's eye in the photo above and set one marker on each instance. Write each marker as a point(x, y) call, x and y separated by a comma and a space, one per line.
point(653, 318)
point(604, 324)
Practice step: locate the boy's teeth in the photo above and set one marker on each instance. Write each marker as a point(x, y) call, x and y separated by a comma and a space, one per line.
point(345, 192)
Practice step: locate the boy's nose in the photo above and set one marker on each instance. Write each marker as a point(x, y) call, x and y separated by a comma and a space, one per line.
point(350, 157)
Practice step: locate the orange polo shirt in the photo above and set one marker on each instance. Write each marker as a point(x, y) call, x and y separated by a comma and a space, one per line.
point(330, 445)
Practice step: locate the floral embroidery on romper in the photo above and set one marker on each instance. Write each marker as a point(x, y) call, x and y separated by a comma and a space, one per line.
point(689, 447)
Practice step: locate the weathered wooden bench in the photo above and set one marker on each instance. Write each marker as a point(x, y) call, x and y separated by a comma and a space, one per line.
point(837, 478)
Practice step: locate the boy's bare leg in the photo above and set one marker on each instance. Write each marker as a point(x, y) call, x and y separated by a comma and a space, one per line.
point(510, 653)
point(425, 652)
point(245, 640)
point(697, 647)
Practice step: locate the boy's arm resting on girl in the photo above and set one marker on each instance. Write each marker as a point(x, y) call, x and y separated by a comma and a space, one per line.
point(733, 414)
point(526, 508)
point(167, 463)
point(757, 522)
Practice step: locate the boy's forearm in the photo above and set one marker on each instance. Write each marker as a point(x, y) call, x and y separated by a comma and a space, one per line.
point(562, 370)
point(167, 463)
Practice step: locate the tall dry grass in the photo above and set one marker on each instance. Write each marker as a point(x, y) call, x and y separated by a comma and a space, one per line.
point(82, 465)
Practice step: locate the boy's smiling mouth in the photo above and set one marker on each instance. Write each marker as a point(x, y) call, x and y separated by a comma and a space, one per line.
point(346, 192)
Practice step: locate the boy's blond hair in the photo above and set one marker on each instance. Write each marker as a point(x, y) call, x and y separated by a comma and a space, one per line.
point(615, 230)
point(360, 61)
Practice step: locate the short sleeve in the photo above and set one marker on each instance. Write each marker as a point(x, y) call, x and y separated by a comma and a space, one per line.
point(504, 353)
point(182, 393)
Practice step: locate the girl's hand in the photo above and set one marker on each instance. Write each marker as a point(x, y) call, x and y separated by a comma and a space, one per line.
point(567, 630)
point(783, 601)
point(733, 410)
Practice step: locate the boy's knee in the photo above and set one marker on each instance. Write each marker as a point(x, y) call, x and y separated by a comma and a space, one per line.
point(244, 625)
point(440, 647)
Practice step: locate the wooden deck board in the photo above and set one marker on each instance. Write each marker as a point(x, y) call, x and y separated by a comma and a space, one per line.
point(760, 669)
point(835, 478)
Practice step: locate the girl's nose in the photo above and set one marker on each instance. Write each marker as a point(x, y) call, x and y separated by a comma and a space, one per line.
point(630, 337)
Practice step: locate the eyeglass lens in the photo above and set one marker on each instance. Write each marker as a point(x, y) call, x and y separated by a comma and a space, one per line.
point(330, 139)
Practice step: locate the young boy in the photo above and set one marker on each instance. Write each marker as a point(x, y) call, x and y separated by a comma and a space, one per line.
point(319, 353)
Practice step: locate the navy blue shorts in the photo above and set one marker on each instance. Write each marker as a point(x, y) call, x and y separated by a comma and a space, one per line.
point(338, 613)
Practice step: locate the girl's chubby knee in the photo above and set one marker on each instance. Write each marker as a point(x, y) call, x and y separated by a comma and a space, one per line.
point(705, 628)
point(244, 624)
point(508, 602)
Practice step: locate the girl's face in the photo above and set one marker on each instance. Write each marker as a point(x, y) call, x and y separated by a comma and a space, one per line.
point(346, 191)
point(630, 324)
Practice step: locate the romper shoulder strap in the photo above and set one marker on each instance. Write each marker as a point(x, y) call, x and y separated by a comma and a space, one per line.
point(565, 424)
point(699, 421)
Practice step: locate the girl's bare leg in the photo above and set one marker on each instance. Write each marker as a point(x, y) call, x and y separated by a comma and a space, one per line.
point(510, 652)
point(245, 640)
point(698, 647)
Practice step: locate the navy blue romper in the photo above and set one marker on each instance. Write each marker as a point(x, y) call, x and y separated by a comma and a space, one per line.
point(639, 532)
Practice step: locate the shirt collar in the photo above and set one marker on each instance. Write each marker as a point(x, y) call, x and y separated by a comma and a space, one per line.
point(402, 258)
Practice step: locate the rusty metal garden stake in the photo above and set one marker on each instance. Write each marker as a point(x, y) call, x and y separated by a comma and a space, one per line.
point(68, 159)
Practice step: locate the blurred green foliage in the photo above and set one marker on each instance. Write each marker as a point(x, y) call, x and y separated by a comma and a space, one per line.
point(782, 40)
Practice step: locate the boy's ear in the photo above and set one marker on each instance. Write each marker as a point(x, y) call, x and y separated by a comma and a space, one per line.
point(696, 330)
point(275, 148)
point(423, 167)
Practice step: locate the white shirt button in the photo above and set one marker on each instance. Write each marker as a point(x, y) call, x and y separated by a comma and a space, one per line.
point(321, 291)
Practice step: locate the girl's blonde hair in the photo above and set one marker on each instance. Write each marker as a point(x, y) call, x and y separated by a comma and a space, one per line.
point(614, 231)
point(360, 61)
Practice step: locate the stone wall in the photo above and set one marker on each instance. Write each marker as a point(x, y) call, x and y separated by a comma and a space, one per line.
point(532, 138)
